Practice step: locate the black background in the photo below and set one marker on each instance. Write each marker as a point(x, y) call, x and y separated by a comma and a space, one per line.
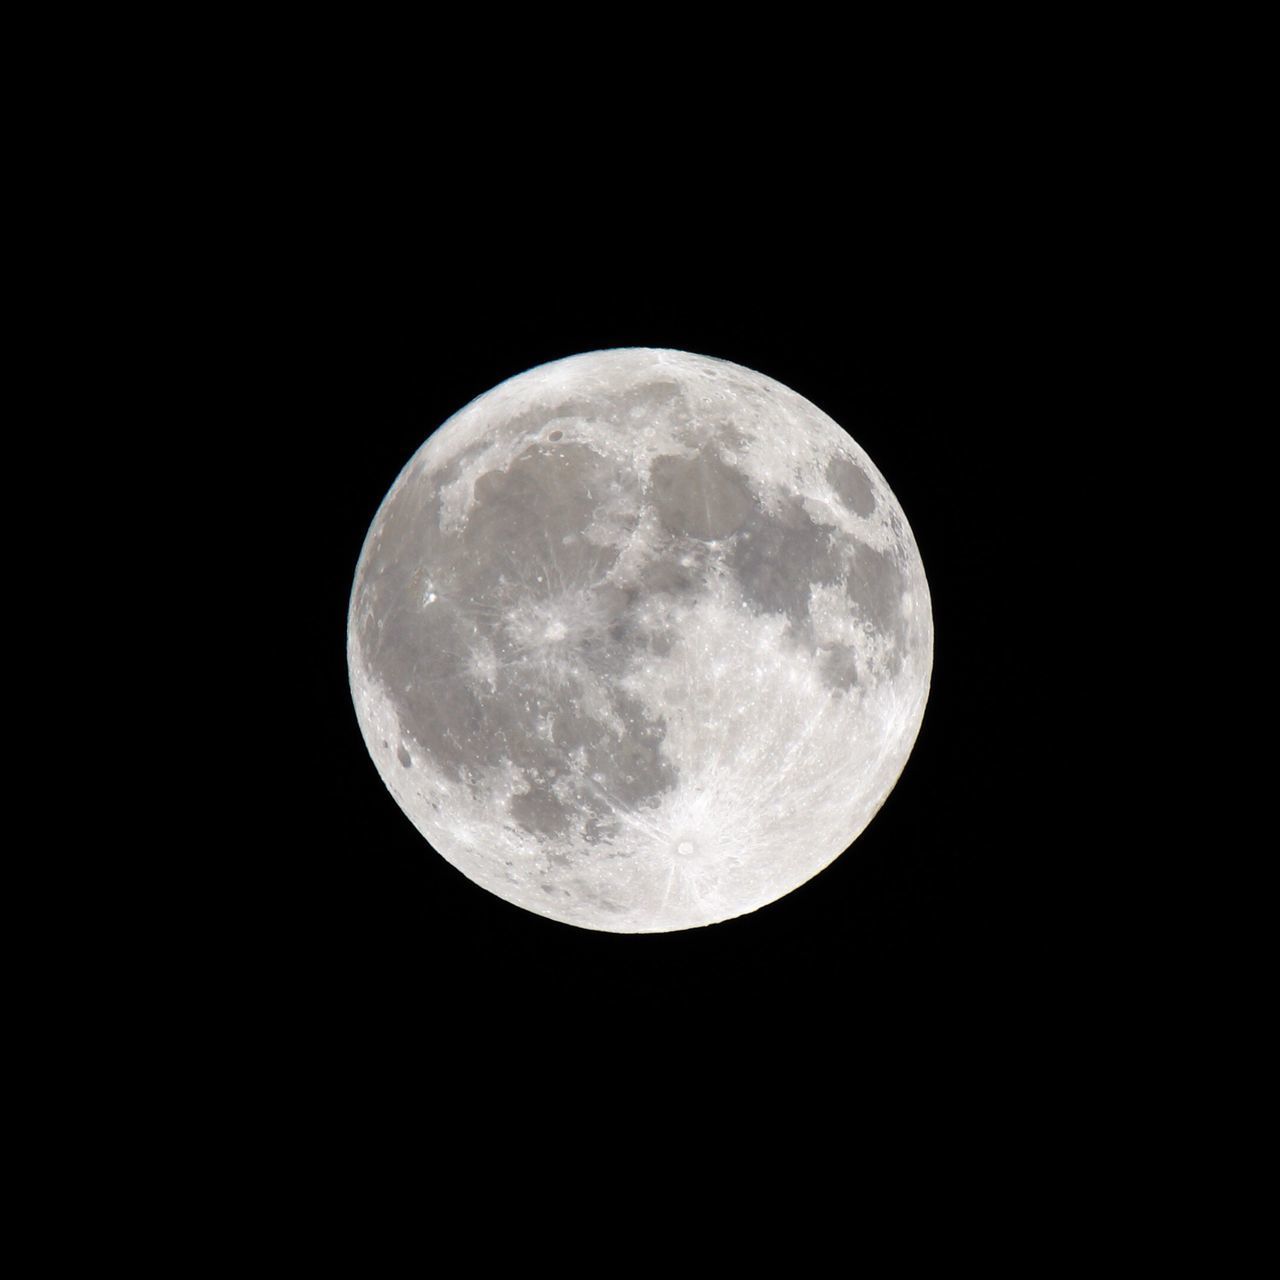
point(948, 271)
point(951, 270)
point(944, 346)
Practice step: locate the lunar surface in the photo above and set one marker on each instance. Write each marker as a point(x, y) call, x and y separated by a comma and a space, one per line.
point(640, 640)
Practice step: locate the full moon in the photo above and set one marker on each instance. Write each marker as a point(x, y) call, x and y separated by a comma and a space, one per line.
point(640, 640)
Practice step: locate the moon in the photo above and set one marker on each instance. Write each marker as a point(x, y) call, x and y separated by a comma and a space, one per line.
point(640, 640)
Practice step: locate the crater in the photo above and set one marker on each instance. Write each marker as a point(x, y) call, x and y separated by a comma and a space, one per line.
point(690, 849)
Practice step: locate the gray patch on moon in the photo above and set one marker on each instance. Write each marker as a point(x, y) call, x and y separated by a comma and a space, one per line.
point(669, 577)
point(840, 665)
point(518, 581)
point(778, 557)
point(875, 586)
point(851, 485)
point(699, 496)
point(651, 398)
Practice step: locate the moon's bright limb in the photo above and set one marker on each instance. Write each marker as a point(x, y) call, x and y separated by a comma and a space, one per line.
point(640, 640)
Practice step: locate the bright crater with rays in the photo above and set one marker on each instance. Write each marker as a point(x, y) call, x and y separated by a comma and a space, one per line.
point(640, 640)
